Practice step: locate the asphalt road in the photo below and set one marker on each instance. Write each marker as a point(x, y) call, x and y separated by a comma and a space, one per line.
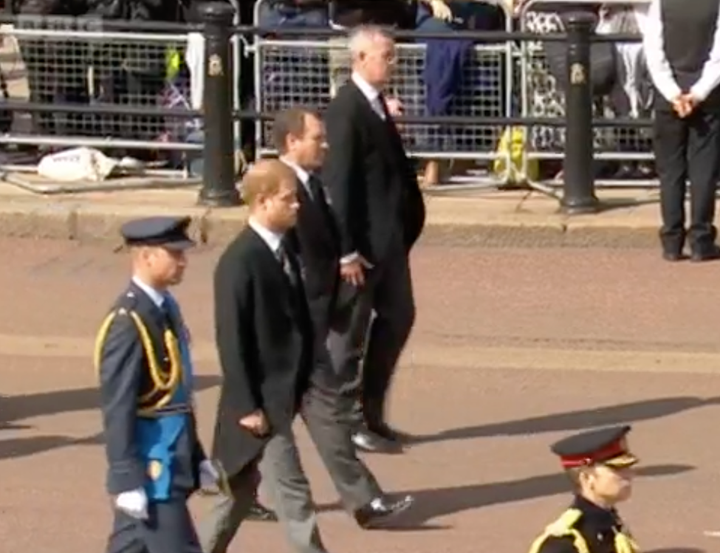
point(512, 350)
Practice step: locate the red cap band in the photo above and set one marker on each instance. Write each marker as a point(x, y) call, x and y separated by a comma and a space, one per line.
point(614, 449)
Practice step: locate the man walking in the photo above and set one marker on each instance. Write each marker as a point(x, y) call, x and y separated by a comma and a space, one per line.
point(380, 213)
point(265, 343)
point(142, 355)
point(300, 138)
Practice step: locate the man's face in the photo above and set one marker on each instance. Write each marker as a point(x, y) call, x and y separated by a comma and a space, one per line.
point(281, 208)
point(166, 266)
point(613, 484)
point(309, 149)
point(377, 61)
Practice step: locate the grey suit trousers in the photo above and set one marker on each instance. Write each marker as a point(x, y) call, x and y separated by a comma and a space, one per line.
point(285, 483)
point(219, 528)
point(325, 413)
point(367, 337)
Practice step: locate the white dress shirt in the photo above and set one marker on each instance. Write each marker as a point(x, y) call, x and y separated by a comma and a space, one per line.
point(156, 296)
point(659, 67)
point(271, 238)
point(371, 93)
point(302, 175)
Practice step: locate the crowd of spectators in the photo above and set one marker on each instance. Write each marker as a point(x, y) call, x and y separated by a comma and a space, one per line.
point(97, 72)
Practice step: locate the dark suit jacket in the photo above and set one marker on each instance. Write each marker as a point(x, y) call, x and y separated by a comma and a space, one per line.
point(264, 339)
point(372, 183)
point(124, 377)
point(316, 240)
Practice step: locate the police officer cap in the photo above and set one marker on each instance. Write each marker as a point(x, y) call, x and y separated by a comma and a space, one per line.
point(168, 232)
point(607, 446)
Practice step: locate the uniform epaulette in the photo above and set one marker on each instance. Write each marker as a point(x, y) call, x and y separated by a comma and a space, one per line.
point(126, 302)
point(563, 527)
point(564, 523)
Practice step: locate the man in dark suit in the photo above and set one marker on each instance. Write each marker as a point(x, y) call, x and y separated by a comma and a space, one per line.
point(380, 213)
point(265, 345)
point(300, 138)
point(142, 355)
point(682, 50)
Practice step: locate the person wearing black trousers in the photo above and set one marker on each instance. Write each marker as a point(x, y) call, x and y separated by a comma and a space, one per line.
point(682, 48)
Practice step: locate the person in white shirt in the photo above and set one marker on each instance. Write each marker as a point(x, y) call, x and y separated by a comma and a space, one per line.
point(681, 41)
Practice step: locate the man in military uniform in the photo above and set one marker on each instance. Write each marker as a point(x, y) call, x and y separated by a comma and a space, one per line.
point(142, 356)
point(599, 465)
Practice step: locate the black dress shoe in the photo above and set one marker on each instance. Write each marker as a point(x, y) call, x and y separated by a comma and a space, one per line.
point(673, 256)
point(259, 512)
point(367, 440)
point(389, 433)
point(706, 254)
point(381, 511)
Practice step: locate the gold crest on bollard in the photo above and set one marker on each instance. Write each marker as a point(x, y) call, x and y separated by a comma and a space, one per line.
point(577, 73)
point(215, 68)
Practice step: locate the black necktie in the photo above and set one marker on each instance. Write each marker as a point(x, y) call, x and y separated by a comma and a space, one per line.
point(284, 258)
point(316, 189)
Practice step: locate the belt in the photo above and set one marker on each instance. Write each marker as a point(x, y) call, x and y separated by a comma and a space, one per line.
point(165, 411)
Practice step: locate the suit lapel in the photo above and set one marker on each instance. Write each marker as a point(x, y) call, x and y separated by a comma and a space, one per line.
point(315, 213)
point(384, 130)
point(273, 268)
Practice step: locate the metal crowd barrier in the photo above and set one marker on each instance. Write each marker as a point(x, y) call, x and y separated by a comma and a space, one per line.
point(74, 82)
point(89, 86)
point(542, 96)
point(298, 71)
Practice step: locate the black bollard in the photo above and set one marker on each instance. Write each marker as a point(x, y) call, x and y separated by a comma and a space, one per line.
point(578, 171)
point(218, 154)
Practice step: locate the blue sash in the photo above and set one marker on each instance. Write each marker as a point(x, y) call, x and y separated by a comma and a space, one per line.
point(158, 436)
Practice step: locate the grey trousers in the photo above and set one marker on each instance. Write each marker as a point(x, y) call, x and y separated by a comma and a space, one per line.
point(219, 528)
point(365, 348)
point(325, 413)
point(285, 483)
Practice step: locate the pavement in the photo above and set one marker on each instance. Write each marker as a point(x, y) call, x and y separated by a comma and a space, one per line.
point(513, 348)
point(628, 218)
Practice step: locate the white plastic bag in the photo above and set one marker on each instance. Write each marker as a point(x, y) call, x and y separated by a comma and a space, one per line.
point(77, 164)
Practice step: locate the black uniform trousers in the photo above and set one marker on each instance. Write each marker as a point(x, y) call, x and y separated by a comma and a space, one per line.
point(687, 149)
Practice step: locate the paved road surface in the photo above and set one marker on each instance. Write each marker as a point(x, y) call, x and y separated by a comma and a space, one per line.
point(512, 350)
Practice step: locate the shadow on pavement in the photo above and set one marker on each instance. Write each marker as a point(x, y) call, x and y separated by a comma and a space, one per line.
point(676, 550)
point(575, 420)
point(16, 408)
point(430, 504)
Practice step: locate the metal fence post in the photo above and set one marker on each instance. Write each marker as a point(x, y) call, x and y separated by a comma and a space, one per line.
point(578, 171)
point(219, 168)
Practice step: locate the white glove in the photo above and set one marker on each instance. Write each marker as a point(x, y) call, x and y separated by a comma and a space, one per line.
point(133, 503)
point(209, 475)
point(440, 10)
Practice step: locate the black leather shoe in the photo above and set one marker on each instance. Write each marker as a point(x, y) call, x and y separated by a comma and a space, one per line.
point(708, 254)
point(381, 512)
point(261, 513)
point(389, 433)
point(673, 256)
point(373, 443)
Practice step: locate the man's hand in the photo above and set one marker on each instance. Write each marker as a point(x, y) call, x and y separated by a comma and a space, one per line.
point(684, 105)
point(255, 423)
point(133, 504)
point(353, 272)
point(394, 107)
point(440, 10)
